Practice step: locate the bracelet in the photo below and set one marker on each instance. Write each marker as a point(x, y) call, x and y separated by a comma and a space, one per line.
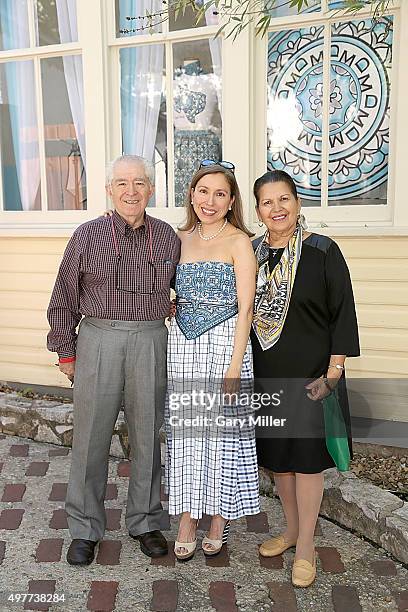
point(336, 365)
point(326, 382)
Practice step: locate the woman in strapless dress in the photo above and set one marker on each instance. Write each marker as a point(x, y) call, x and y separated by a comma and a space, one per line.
point(211, 463)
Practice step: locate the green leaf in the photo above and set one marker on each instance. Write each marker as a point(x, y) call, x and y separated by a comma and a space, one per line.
point(238, 14)
point(298, 4)
point(262, 25)
point(220, 30)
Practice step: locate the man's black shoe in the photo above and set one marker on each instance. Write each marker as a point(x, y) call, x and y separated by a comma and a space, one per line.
point(152, 543)
point(81, 552)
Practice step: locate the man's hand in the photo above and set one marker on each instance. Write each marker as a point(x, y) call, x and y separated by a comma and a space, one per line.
point(68, 369)
point(172, 311)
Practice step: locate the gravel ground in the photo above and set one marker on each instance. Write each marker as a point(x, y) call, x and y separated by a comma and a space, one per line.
point(390, 473)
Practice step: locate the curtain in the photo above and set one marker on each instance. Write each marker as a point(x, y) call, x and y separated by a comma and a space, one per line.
point(216, 53)
point(21, 99)
point(141, 86)
point(68, 30)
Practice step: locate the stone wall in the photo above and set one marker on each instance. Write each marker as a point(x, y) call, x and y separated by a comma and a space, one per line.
point(50, 421)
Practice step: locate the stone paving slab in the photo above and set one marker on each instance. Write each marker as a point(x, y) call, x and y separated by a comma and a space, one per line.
point(353, 575)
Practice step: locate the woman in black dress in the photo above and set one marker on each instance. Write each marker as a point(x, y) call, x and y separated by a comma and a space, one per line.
point(304, 328)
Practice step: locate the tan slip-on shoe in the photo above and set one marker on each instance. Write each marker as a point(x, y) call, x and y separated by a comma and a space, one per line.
point(303, 572)
point(275, 546)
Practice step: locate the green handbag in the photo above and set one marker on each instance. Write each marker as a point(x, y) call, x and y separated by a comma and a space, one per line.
point(335, 431)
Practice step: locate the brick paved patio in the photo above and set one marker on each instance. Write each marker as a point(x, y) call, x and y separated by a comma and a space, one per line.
point(353, 575)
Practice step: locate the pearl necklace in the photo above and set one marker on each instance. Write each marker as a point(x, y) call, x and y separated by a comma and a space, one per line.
point(200, 233)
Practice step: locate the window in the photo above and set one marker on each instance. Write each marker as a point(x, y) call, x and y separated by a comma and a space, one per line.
point(170, 94)
point(138, 16)
point(42, 144)
point(328, 110)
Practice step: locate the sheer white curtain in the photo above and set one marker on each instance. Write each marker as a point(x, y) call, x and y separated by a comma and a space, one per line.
point(142, 73)
point(68, 30)
point(21, 100)
point(216, 53)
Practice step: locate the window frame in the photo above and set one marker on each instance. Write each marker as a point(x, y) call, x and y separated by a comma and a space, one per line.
point(30, 222)
point(347, 216)
point(167, 38)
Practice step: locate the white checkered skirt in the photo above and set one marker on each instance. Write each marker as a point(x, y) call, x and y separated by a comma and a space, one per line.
point(208, 471)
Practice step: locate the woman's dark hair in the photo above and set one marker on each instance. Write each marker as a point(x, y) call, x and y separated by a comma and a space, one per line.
point(274, 176)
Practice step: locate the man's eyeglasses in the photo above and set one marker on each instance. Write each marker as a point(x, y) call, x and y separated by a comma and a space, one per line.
point(123, 275)
point(127, 283)
point(211, 162)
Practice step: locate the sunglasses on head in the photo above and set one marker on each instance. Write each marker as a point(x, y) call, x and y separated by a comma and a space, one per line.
point(211, 162)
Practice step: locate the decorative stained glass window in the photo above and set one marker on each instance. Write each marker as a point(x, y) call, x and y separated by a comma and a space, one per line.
point(357, 92)
point(295, 68)
point(359, 112)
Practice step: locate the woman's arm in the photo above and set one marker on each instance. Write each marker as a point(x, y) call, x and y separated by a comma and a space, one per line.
point(319, 388)
point(245, 275)
point(343, 322)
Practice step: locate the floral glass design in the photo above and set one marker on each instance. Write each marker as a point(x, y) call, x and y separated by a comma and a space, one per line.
point(358, 105)
point(361, 55)
point(294, 120)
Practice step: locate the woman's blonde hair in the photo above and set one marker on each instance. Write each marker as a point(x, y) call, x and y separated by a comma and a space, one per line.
point(234, 216)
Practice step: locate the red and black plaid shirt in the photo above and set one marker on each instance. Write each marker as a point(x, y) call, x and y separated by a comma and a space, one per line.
point(92, 281)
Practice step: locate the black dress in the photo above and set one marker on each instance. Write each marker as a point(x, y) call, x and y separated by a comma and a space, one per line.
point(321, 321)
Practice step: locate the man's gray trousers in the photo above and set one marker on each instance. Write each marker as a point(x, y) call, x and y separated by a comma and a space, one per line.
point(115, 360)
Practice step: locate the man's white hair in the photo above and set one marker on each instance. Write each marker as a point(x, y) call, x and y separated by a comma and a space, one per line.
point(147, 165)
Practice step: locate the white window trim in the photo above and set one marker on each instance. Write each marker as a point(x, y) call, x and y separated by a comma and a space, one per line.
point(395, 213)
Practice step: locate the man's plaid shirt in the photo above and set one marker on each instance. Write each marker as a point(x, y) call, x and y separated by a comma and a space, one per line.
point(93, 282)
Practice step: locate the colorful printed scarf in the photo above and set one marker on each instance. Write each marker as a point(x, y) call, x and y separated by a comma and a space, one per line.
point(274, 289)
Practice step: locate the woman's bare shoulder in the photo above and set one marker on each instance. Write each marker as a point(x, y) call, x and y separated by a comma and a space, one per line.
point(235, 231)
point(240, 246)
point(238, 237)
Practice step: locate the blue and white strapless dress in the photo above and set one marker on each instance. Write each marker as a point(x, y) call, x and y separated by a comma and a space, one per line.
point(210, 469)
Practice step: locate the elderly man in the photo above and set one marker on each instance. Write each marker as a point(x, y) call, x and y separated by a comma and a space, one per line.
point(116, 273)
